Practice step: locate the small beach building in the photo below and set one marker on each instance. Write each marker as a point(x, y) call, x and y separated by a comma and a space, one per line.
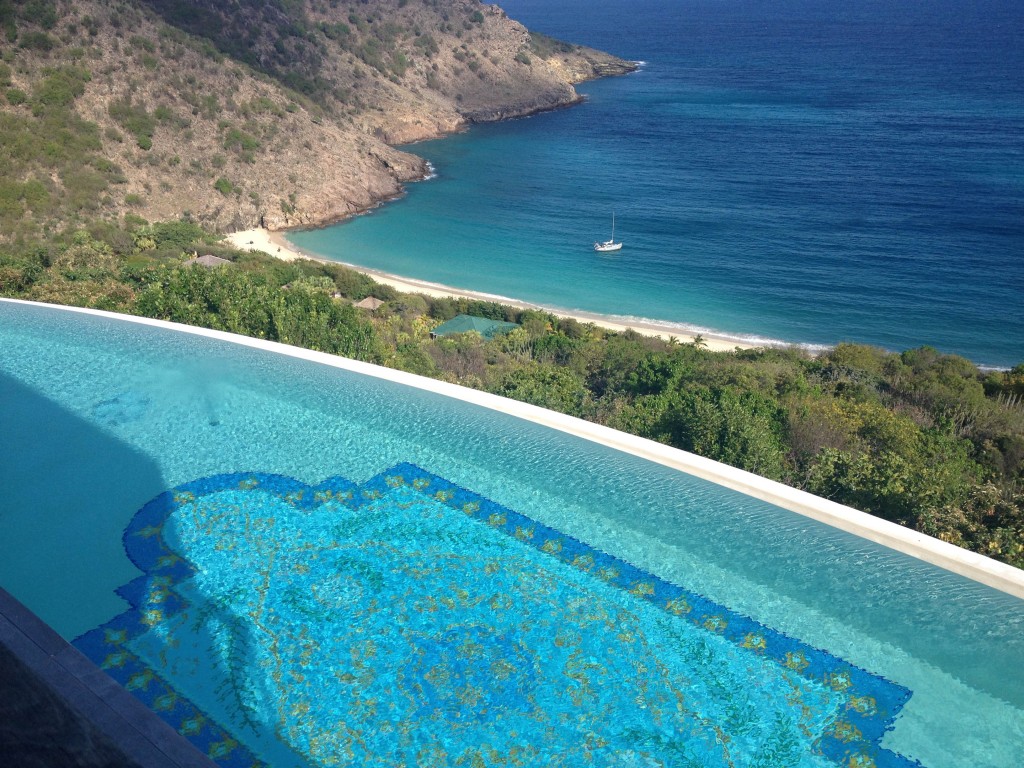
point(370, 302)
point(208, 261)
point(465, 323)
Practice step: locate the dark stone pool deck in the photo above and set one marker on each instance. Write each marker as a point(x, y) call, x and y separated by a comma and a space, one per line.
point(57, 708)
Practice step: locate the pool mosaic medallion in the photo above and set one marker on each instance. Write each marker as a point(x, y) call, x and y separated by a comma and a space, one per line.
point(408, 621)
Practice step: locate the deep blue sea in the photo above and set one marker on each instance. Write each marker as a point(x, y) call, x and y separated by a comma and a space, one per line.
point(805, 171)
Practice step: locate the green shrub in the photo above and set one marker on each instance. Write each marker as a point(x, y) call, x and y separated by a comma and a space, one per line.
point(41, 12)
point(338, 32)
point(263, 105)
point(209, 105)
point(133, 200)
point(223, 186)
point(110, 169)
point(60, 87)
point(177, 235)
point(545, 46)
point(428, 44)
point(91, 25)
point(119, 240)
point(7, 21)
point(38, 41)
point(16, 97)
point(240, 141)
point(83, 187)
point(17, 197)
point(371, 53)
point(135, 119)
point(137, 41)
point(399, 63)
point(36, 196)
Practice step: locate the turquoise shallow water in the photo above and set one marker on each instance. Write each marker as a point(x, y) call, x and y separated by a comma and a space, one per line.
point(803, 171)
point(100, 417)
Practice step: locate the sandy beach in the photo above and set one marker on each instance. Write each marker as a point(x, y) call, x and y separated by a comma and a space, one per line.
point(275, 244)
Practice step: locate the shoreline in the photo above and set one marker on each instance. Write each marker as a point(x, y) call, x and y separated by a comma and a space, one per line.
point(275, 244)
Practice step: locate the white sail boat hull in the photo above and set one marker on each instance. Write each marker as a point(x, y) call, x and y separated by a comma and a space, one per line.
point(608, 245)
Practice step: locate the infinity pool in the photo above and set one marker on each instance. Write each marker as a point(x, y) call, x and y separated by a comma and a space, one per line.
point(301, 565)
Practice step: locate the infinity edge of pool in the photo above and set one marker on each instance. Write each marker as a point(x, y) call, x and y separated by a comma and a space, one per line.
point(971, 565)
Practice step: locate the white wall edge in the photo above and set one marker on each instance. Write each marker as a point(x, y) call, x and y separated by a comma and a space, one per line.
point(969, 564)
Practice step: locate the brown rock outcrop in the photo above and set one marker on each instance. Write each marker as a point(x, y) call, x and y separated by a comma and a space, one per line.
point(303, 131)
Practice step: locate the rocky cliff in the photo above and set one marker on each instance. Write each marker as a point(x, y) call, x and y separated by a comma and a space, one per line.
point(273, 112)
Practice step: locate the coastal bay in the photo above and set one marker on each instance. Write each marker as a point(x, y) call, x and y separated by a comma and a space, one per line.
point(806, 178)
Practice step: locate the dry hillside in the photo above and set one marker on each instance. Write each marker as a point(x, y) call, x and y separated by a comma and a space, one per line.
point(280, 111)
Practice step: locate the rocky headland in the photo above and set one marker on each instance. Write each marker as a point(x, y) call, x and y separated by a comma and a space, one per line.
point(263, 113)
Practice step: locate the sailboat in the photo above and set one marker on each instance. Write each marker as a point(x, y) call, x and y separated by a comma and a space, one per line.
point(608, 245)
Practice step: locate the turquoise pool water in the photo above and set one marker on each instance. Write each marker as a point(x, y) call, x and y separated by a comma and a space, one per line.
point(118, 438)
point(410, 621)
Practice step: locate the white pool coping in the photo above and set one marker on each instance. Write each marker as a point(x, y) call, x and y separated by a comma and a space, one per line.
point(969, 564)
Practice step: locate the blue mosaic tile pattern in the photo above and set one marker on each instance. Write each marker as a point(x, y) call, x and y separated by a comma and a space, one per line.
point(409, 621)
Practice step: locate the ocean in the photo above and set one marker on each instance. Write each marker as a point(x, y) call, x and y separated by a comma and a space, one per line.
point(804, 172)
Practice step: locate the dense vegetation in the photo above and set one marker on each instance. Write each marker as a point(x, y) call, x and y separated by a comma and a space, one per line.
point(920, 438)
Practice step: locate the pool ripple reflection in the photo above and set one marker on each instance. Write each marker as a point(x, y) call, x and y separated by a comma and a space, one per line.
point(410, 621)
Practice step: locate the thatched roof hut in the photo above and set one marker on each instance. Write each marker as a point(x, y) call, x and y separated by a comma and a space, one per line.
point(207, 261)
point(369, 303)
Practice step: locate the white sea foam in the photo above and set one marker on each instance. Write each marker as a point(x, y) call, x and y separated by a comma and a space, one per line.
point(688, 329)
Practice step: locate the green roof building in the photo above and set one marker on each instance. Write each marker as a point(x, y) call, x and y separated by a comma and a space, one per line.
point(465, 323)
